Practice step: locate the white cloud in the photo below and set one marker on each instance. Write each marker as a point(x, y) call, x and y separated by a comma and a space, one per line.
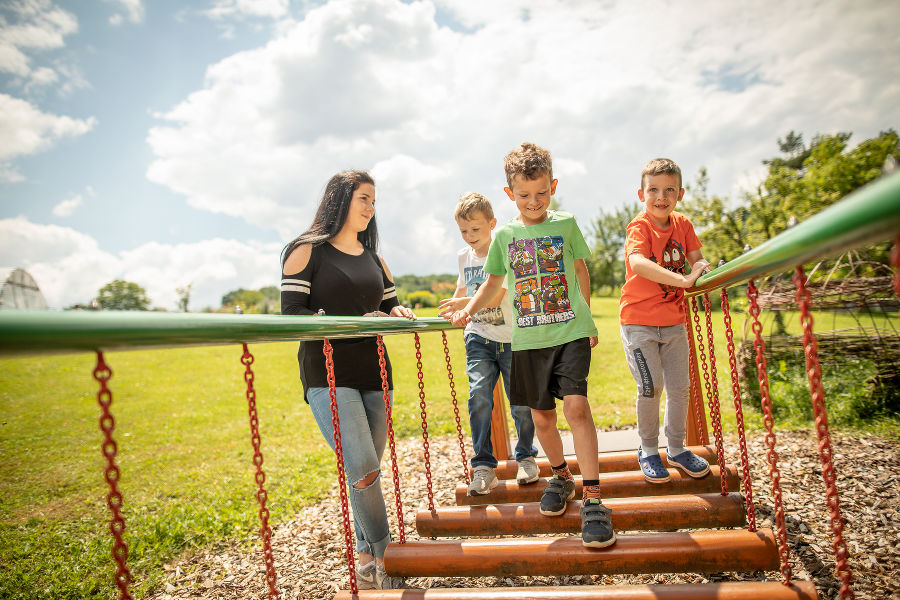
point(432, 108)
point(70, 267)
point(132, 10)
point(68, 206)
point(24, 129)
point(222, 9)
point(29, 25)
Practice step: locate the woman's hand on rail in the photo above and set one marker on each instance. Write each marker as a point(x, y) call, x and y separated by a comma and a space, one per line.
point(402, 311)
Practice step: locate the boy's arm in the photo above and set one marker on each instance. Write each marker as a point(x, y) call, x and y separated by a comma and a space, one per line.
point(486, 293)
point(584, 282)
point(648, 269)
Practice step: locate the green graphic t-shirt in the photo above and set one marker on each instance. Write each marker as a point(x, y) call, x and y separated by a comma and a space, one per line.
point(539, 264)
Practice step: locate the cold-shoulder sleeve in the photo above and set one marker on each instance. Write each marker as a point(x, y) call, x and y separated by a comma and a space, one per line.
point(295, 291)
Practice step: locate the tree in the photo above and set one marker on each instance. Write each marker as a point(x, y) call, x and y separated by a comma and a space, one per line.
point(243, 298)
point(606, 239)
point(122, 295)
point(184, 296)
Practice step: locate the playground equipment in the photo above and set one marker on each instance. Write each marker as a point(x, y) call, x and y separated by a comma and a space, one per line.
point(869, 215)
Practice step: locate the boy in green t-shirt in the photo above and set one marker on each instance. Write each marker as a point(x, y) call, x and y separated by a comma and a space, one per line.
point(541, 253)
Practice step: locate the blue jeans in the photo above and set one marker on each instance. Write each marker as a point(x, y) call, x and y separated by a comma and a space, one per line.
point(485, 361)
point(363, 438)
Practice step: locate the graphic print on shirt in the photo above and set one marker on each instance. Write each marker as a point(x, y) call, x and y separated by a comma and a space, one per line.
point(541, 292)
point(473, 278)
point(673, 259)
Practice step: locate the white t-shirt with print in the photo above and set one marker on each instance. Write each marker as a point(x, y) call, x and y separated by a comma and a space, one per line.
point(491, 323)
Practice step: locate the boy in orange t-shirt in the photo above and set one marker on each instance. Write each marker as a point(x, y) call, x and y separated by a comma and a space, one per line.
point(659, 244)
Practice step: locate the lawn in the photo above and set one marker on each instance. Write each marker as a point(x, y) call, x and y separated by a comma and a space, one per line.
point(185, 454)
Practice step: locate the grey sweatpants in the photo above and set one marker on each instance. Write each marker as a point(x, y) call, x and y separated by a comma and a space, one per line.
point(658, 357)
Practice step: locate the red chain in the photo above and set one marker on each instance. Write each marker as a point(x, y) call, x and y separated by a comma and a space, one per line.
point(261, 495)
point(713, 399)
point(738, 412)
point(390, 425)
point(695, 386)
point(895, 260)
point(339, 457)
point(102, 374)
point(817, 393)
point(701, 355)
point(459, 433)
point(768, 421)
point(424, 422)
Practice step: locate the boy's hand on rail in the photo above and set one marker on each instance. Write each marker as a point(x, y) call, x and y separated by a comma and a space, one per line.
point(460, 318)
point(448, 306)
point(697, 269)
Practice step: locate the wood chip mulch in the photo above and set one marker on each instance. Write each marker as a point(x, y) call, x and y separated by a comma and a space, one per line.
point(310, 553)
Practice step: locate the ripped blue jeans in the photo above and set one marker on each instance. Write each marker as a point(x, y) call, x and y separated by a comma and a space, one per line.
point(363, 438)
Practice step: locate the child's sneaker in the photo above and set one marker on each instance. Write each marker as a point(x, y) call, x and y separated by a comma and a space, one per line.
point(365, 577)
point(483, 481)
point(596, 526)
point(528, 471)
point(690, 463)
point(559, 490)
point(653, 468)
point(384, 581)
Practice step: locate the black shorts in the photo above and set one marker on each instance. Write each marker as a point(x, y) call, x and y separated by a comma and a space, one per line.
point(541, 375)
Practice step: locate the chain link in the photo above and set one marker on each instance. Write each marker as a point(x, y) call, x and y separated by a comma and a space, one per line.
point(696, 397)
point(714, 415)
point(768, 421)
point(424, 413)
point(114, 501)
point(817, 394)
point(339, 457)
point(738, 412)
point(701, 355)
point(261, 495)
point(388, 408)
point(459, 432)
point(895, 260)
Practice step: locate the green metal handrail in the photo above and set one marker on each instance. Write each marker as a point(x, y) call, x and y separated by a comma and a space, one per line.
point(869, 215)
point(42, 332)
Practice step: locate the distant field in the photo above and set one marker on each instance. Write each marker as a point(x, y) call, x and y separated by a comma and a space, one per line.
point(184, 450)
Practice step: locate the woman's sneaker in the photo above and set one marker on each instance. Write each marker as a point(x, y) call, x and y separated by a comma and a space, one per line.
point(528, 471)
point(596, 526)
point(483, 481)
point(383, 581)
point(559, 490)
point(690, 463)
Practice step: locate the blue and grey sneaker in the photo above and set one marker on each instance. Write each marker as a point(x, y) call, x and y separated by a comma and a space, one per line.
point(690, 463)
point(596, 526)
point(365, 577)
point(653, 468)
point(383, 581)
point(559, 490)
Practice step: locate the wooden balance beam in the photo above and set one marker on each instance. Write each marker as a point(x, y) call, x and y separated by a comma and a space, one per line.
point(670, 552)
point(749, 590)
point(629, 514)
point(609, 462)
point(629, 484)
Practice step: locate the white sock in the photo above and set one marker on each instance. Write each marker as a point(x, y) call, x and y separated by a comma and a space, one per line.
point(673, 450)
point(648, 450)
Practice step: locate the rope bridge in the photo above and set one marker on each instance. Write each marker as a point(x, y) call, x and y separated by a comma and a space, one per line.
point(722, 500)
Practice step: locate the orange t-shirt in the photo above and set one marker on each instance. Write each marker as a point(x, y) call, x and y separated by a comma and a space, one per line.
point(646, 302)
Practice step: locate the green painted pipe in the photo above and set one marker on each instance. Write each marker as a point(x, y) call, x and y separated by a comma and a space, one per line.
point(869, 215)
point(43, 332)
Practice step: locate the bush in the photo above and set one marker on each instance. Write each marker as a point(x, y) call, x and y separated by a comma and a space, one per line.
point(421, 299)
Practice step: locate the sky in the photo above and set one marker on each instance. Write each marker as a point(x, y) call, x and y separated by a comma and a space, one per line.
point(184, 142)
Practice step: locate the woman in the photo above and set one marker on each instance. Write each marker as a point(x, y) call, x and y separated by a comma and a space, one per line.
point(333, 269)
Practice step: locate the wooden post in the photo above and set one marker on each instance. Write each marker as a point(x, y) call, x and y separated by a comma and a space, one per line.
point(694, 437)
point(499, 428)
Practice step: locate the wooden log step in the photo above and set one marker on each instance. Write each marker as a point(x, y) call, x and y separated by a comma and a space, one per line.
point(744, 590)
point(628, 484)
point(629, 514)
point(669, 552)
point(609, 462)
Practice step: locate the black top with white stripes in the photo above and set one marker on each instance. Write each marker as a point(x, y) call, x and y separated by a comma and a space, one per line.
point(341, 284)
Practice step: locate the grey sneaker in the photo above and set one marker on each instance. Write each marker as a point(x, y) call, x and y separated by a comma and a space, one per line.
point(559, 490)
point(365, 577)
point(528, 471)
point(383, 581)
point(483, 481)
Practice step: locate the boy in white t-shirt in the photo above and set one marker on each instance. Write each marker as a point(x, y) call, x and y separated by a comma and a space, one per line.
point(488, 351)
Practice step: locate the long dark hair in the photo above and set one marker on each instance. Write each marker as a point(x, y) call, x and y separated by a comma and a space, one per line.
point(332, 214)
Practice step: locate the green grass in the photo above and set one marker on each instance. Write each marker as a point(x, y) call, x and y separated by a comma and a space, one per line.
point(185, 455)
